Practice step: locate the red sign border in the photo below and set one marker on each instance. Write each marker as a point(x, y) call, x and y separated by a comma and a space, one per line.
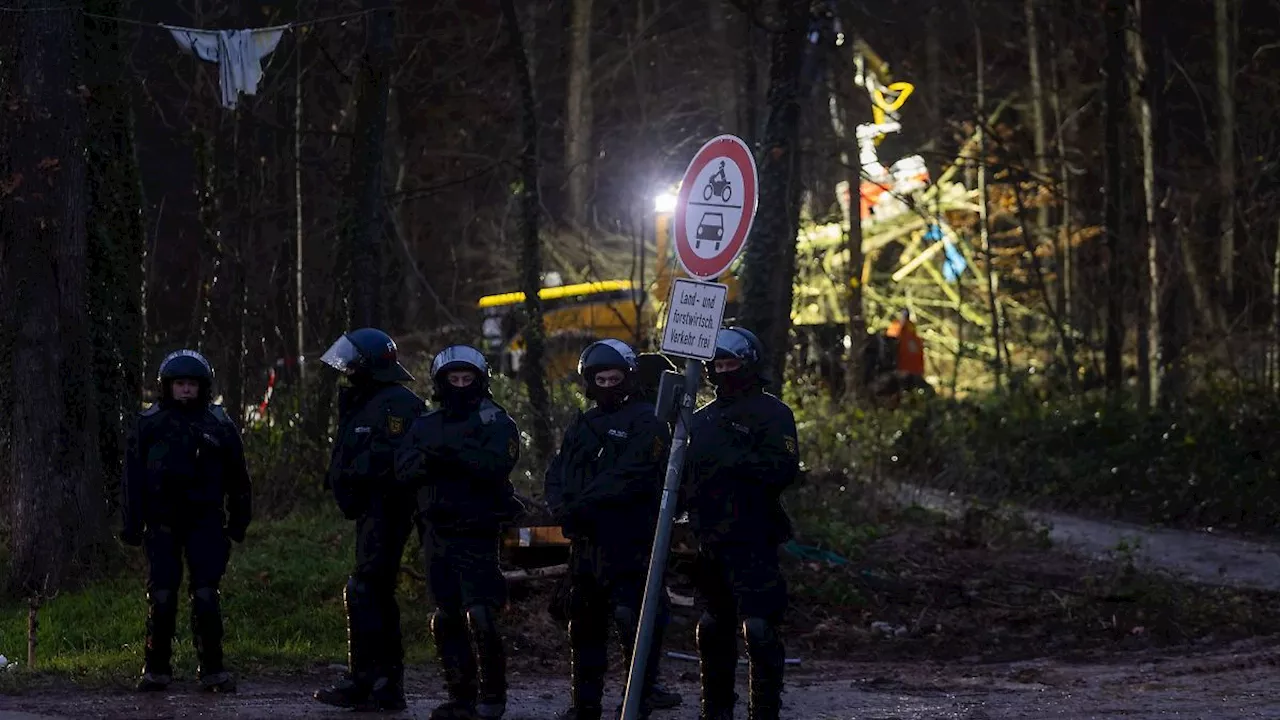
point(722, 146)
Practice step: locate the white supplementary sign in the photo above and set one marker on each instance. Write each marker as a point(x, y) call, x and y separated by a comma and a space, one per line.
point(694, 314)
point(716, 207)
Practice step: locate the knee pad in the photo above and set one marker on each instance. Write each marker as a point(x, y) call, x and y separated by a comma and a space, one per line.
point(709, 628)
point(444, 621)
point(481, 620)
point(360, 592)
point(204, 600)
point(759, 633)
point(162, 600)
point(627, 621)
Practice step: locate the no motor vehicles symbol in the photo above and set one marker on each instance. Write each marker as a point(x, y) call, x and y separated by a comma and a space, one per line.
point(716, 207)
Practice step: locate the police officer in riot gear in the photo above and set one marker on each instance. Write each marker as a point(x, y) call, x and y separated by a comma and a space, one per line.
point(743, 453)
point(458, 458)
point(604, 487)
point(186, 491)
point(374, 414)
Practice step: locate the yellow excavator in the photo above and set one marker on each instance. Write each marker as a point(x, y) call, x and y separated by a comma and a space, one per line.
point(574, 315)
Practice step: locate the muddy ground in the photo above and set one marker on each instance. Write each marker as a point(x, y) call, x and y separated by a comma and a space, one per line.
point(1239, 681)
point(975, 616)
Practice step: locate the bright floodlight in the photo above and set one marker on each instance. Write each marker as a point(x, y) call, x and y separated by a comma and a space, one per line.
point(664, 203)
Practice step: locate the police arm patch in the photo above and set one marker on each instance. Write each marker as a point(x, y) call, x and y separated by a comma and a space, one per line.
point(513, 448)
point(395, 425)
point(790, 442)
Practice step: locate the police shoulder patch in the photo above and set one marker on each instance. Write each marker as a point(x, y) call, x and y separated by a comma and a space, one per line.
point(513, 448)
point(489, 411)
point(658, 447)
point(395, 425)
point(790, 443)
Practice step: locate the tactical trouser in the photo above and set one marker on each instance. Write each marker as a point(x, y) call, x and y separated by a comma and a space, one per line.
point(374, 646)
point(469, 589)
point(741, 581)
point(206, 550)
point(607, 583)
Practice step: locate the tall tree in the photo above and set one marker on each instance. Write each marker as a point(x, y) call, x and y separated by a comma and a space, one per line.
point(579, 113)
point(57, 512)
point(116, 238)
point(1114, 69)
point(1037, 114)
point(533, 369)
point(984, 200)
point(1224, 12)
point(363, 229)
point(1165, 295)
point(771, 249)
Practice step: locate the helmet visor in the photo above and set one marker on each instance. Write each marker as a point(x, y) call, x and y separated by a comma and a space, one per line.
point(342, 356)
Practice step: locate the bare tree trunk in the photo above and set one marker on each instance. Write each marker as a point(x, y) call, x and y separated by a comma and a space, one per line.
point(299, 308)
point(1164, 294)
point(1037, 118)
point(1115, 99)
point(1275, 314)
point(770, 255)
point(751, 78)
point(1148, 284)
point(57, 510)
point(530, 246)
point(726, 83)
point(1066, 249)
point(116, 241)
point(578, 114)
point(844, 120)
point(983, 228)
point(363, 230)
point(1224, 24)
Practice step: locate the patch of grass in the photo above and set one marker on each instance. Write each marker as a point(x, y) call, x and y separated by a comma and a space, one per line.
point(281, 600)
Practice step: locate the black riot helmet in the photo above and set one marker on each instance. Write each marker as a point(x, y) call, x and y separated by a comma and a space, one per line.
point(460, 357)
point(185, 364)
point(608, 354)
point(649, 369)
point(366, 354)
point(737, 343)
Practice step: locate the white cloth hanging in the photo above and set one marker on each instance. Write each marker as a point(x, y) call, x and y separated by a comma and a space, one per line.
point(238, 54)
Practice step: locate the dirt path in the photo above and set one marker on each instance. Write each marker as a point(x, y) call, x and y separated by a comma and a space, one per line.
point(1241, 681)
point(1200, 557)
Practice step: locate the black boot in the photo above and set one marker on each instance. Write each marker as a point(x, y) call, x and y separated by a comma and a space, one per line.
point(718, 659)
point(767, 657)
point(385, 695)
point(491, 660)
point(653, 696)
point(354, 688)
point(206, 633)
point(162, 620)
point(458, 666)
point(590, 661)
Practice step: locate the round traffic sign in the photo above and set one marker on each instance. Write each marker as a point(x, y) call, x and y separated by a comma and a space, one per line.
point(715, 207)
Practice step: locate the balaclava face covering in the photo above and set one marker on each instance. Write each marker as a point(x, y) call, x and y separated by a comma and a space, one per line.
point(458, 399)
point(735, 382)
point(608, 398)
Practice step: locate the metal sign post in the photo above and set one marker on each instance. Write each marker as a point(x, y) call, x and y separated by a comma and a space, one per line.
point(713, 216)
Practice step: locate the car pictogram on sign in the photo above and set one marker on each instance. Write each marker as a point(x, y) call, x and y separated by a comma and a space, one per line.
point(711, 229)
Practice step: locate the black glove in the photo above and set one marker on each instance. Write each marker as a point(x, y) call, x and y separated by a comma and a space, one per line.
point(131, 537)
point(236, 533)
